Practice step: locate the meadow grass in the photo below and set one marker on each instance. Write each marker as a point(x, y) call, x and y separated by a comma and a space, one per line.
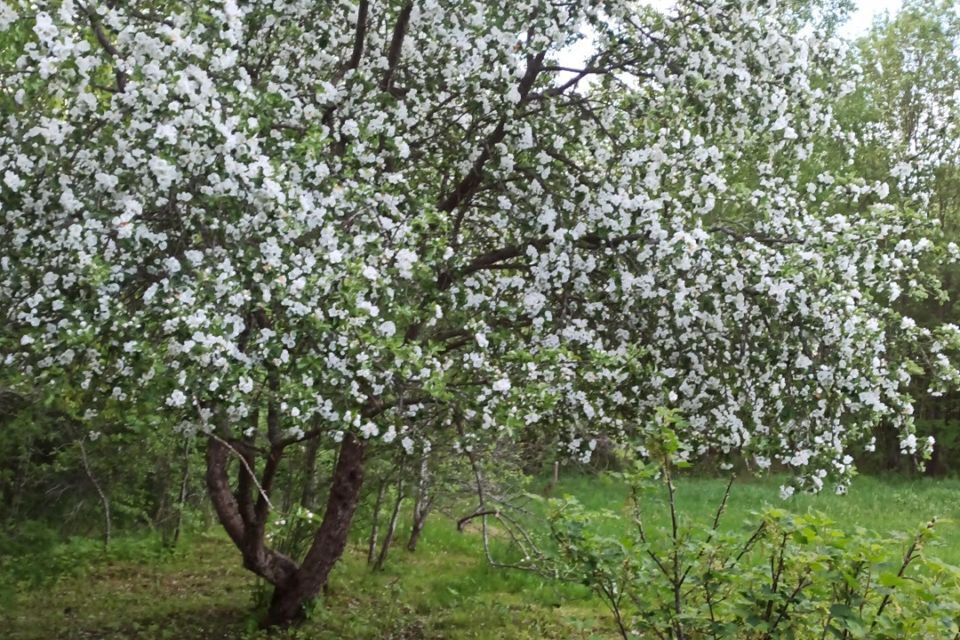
point(883, 504)
point(444, 590)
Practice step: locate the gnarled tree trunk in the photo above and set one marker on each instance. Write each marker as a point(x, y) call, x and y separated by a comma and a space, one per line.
point(244, 516)
point(238, 515)
point(329, 541)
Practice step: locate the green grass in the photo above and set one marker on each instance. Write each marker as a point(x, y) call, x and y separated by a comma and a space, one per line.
point(444, 590)
point(885, 504)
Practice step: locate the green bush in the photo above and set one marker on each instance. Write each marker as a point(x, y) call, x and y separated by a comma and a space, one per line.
point(784, 576)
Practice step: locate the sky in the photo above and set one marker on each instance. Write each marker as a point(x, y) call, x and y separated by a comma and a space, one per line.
point(866, 10)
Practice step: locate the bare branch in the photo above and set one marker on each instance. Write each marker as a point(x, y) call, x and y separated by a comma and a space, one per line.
point(396, 45)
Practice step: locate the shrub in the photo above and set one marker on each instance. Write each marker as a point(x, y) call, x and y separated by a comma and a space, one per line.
point(785, 576)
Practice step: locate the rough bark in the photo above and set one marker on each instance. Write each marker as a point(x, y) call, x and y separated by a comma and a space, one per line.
point(289, 598)
point(243, 528)
point(244, 515)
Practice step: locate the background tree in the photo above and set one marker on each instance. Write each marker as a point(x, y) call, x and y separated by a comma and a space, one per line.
point(906, 115)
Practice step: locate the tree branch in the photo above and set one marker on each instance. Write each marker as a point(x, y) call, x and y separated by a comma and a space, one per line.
point(107, 46)
point(396, 46)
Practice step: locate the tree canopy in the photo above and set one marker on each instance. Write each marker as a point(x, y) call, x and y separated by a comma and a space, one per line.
point(273, 222)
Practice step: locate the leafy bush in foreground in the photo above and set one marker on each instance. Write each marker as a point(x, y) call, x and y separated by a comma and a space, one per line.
point(795, 576)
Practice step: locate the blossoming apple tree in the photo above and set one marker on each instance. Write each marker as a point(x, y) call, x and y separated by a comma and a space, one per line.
point(277, 222)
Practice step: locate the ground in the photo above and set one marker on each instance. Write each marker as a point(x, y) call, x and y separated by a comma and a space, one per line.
point(444, 590)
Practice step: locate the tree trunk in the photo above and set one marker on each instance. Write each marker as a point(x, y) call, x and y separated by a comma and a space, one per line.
point(392, 526)
point(103, 496)
point(245, 523)
point(310, 483)
point(421, 505)
point(182, 498)
point(289, 598)
point(375, 524)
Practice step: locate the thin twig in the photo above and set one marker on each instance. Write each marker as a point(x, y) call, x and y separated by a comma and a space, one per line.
point(103, 496)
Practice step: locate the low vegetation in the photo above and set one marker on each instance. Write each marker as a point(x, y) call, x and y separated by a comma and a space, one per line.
point(444, 590)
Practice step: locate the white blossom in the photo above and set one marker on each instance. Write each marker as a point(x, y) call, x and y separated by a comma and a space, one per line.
point(388, 329)
point(176, 398)
point(12, 180)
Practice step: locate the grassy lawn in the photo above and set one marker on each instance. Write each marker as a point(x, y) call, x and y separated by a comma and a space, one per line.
point(444, 590)
point(882, 504)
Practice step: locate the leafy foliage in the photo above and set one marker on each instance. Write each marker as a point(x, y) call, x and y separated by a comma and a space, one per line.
point(791, 576)
point(783, 576)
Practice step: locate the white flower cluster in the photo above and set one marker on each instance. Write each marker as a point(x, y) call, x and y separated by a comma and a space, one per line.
point(240, 218)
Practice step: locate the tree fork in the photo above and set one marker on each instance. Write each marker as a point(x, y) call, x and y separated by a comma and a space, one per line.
point(287, 604)
point(273, 566)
